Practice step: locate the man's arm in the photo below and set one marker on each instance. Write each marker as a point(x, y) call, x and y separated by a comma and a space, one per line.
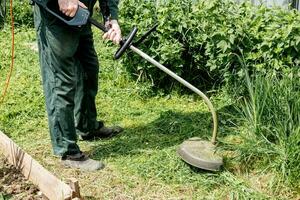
point(111, 9)
point(104, 9)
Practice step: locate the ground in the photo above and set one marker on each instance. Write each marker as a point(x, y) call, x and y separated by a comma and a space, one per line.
point(13, 185)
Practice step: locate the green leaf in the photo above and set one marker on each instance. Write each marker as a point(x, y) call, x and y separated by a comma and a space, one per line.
point(223, 45)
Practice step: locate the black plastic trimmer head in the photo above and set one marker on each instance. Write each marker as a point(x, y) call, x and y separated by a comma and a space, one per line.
point(196, 152)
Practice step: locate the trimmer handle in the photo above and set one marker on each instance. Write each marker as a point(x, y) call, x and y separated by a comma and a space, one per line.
point(81, 17)
point(124, 43)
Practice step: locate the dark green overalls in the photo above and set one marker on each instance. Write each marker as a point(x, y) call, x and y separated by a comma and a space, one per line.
point(69, 68)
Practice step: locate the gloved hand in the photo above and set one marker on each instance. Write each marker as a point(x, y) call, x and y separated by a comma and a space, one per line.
point(69, 7)
point(114, 32)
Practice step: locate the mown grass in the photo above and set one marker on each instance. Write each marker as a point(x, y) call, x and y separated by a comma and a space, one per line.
point(142, 162)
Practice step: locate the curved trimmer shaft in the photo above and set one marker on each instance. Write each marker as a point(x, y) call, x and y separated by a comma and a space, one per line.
point(185, 83)
point(196, 152)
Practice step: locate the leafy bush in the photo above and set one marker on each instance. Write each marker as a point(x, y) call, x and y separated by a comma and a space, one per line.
point(200, 40)
point(22, 12)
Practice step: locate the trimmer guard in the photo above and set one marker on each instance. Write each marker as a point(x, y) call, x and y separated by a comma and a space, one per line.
point(200, 154)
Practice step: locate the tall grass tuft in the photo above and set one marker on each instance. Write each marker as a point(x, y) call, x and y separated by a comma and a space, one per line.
point(271, 112)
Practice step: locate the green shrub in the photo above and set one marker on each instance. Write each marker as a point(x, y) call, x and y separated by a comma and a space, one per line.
point(199, 39)
point(23, 14)
point(2, 13)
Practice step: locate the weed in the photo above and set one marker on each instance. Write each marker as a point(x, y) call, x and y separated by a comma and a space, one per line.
point(271, 114)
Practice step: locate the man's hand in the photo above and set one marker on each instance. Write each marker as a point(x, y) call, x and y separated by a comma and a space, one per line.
point(114, 32)
point(69, 7)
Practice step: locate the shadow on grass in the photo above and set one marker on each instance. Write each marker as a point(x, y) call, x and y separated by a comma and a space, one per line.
point(168, 130)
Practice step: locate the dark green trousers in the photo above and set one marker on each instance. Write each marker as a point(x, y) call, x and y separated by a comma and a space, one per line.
point(69, 68)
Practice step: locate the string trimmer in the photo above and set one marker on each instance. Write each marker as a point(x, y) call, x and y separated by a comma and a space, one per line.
point(197, 152)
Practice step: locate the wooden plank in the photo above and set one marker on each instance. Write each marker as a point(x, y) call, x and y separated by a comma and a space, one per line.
point(50, 186)
point(74, 185)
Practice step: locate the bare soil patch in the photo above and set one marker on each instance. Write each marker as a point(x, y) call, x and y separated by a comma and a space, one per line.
point(13, 185)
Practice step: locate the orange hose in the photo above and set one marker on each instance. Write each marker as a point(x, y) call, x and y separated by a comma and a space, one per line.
point(12, 53)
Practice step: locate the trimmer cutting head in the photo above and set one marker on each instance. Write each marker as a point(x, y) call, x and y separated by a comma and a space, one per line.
point(200, 153)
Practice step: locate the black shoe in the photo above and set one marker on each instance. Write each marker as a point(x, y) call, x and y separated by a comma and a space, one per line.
point(103, 132)
point(81, 161)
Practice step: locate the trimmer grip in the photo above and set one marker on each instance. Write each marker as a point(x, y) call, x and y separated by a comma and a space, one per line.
point(81, 17)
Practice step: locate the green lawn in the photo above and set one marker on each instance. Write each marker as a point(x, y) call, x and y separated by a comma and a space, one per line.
point(141, 163)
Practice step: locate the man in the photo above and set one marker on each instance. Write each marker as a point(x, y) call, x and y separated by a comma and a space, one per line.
point(69, 68)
